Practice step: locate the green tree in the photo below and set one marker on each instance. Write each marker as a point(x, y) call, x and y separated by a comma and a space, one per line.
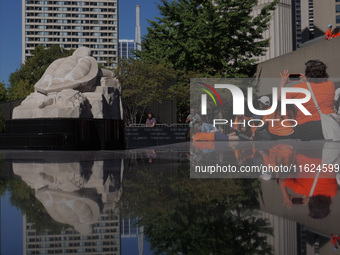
point(212, 37)
point(143, 83)
point(22, 81)
point(2, 122)
point(3, 96)
point(19, 89)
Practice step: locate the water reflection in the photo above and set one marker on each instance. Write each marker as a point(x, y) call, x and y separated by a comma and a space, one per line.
point(74, 193)
point(83, 202)
point(194, 216)
point(69, 205)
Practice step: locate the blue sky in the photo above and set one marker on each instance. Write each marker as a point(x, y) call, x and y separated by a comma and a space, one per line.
point(11, 228)
point(10, 29)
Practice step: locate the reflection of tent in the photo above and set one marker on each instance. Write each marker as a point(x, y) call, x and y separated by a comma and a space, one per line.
point(70, 208)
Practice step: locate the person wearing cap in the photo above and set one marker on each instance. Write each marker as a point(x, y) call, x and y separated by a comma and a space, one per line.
point(264, 102)
point(261, 133)
point(328, 34)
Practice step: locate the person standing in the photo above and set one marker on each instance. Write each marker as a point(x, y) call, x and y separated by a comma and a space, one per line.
point(328, 34)
point(193, 118)
point(150, 121)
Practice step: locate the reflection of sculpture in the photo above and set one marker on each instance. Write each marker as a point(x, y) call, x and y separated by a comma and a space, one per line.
point(74, 193)
point(70, 208)
point(73, 87)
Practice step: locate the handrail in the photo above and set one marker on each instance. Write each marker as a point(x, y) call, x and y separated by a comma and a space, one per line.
point(179, 125)
point(137, 125)
point(157, 125)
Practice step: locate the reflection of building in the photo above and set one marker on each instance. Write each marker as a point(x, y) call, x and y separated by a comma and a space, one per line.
point(0, 226)
point(130, 230)
point(104, 239)
point(71, 24)
point(285, 236)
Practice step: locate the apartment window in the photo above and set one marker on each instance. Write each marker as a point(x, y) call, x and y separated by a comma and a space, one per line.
point(337, 8)
point(337, 19)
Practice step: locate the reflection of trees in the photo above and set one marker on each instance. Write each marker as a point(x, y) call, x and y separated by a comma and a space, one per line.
point(3, 182)
point(196, 216)
point(23, 198)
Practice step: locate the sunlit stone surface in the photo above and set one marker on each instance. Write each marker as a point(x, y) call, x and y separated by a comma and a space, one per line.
point(74, 87)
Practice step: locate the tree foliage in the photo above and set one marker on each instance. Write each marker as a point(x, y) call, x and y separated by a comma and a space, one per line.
point(3, 97)
point(211, 37)
point(2, 122)
point(22, 81)
point(181, 215)
point(143, 84)
point(3, 93)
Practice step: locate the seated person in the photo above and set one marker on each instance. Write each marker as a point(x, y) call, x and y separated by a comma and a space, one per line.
point(212, 135)
point(337, 101)
point(239, 128)
point(150, 121)
point(318, 198)
point(205, 128)
point(319, 202)
point(275, 128)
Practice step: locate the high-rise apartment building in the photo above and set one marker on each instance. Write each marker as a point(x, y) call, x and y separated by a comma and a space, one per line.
point(280, 29)
point(72, 24)
point(295, 22)
point(104, 238)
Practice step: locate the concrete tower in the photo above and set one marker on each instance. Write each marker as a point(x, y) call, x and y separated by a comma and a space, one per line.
point(138, 38)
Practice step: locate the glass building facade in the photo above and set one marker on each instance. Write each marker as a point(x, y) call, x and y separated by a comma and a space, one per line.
point(126, 47)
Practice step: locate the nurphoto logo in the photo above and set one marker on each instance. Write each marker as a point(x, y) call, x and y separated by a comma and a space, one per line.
point(239, 102)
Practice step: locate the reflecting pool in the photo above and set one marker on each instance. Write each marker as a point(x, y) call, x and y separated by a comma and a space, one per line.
point(161, 200)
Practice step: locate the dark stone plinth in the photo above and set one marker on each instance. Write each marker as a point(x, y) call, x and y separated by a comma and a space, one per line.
point(140, 137)
point(63, 134)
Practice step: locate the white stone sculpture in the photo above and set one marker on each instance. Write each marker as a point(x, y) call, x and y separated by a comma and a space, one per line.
point(74, 87)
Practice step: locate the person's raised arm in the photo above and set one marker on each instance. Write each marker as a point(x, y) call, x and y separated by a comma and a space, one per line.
point(287, 199)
